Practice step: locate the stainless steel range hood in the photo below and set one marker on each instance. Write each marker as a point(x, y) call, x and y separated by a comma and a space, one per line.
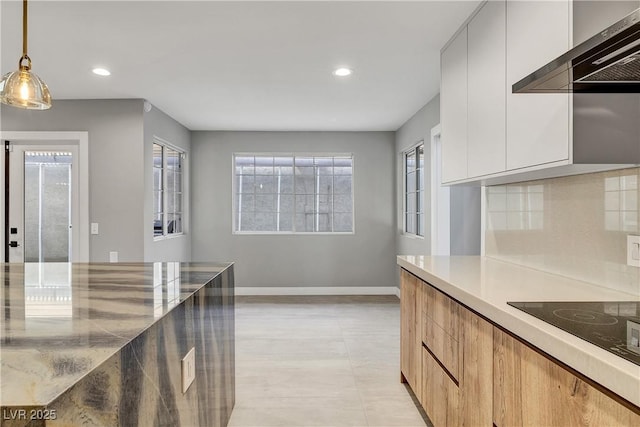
point(608, 62)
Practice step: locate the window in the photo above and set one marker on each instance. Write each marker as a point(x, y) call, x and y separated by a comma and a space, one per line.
point(414, 190)
point(293, 194)
point(167, 190)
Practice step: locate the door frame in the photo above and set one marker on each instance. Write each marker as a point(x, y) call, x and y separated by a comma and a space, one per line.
point(79, 139)
point(440, 199)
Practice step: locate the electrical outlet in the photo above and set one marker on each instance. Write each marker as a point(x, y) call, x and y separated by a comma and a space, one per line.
point(94, 228)
point(633, 251)
point(113, 256)
point(188, 369)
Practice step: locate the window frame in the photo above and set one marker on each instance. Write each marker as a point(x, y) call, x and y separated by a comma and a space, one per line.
point(293, 156)
point(164, 189)
point(419, 216)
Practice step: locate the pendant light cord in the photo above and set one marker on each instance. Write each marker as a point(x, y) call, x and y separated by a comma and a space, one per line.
point(25, 56)
point(24, 28)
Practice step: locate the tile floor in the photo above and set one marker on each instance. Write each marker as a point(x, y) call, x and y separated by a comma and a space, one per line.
point(320, 361)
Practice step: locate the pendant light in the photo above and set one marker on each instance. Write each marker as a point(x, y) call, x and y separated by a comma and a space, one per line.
point(22, 88)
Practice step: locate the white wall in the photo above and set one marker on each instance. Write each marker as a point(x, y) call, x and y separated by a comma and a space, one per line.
point(366, 258)
point(116, 182)
point(417, 128)
point(178, 248)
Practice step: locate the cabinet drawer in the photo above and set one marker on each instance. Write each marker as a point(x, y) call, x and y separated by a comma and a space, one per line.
point(444, 311)
point(440, 329)
point(440, 394)
point(443, 346)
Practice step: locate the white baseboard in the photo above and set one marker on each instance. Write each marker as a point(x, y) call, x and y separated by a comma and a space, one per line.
point(318, 290)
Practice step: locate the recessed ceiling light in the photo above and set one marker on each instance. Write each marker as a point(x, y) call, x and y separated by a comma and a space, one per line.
point(101, 71)
point(342, 72)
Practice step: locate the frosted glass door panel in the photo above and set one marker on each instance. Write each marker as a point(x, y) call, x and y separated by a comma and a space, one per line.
point(47, 206)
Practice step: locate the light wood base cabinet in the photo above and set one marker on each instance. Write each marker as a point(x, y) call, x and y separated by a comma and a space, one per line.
point(455, 347)
point(465, 371)
point(531, 390)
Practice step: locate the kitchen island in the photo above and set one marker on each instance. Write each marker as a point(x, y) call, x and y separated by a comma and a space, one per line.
point(459, 332)
point(102, 344)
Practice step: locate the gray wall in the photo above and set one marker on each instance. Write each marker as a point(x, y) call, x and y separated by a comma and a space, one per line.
point(416, 129)
point(465, 223)
point(158, 124)
point(366, 258)
point(116, 178)
point(465, 202)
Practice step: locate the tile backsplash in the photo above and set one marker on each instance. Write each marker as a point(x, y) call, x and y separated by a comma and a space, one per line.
point(575, 226)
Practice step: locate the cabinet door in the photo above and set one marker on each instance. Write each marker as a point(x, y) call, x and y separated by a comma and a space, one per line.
point(476, 400)
point(410, 331)
point(486, 91)
point(453, 109)
point(530, 389)
point(537, 124)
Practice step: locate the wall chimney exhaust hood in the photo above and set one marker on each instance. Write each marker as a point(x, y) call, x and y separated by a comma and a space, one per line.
point(608, 62)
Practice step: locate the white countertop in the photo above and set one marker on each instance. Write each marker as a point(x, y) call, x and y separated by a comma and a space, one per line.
point(485, 285)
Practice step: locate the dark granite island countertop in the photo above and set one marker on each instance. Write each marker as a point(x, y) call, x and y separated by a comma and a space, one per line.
point(101, 344)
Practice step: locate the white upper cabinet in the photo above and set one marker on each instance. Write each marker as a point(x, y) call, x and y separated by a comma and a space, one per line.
point(486, 91)
point(453, 109)
point(486, 130)
point(493, 136)
point(537, 124)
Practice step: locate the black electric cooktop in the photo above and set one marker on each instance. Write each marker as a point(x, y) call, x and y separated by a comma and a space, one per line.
point(612, 325)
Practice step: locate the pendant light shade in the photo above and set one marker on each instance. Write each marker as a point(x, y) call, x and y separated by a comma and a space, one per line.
point(22, 88)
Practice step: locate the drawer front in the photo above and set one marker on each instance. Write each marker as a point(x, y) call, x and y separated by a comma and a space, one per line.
point(440, 394)
point(443, 346)
point(443, 311)
point(440, 328)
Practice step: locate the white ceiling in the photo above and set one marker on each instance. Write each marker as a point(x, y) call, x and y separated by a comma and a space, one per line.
point(243, 65)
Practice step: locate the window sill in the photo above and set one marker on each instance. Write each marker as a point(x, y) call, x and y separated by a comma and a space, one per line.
point(168, 237)
point(292, 233)
point(412, 236)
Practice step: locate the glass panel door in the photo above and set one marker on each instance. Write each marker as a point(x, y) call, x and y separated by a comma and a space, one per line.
point(39, 203)
point(47, 206)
